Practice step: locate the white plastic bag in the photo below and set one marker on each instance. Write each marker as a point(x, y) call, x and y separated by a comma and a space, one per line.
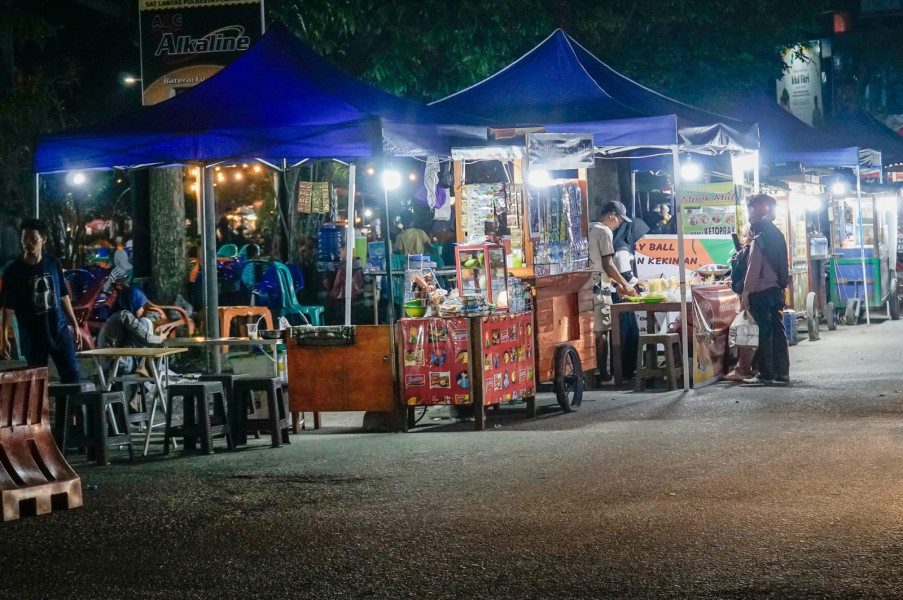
point(744, 332)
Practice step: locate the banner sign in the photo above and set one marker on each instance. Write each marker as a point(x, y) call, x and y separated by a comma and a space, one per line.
point(183, 42)
point(436, 360)
point(799, 89)
point(656, 255)
point(709, 209)
point(714, 309)
point(556, 151)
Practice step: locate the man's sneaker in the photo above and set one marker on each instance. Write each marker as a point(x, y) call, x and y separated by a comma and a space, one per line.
point(782, 381)
point(757, 382)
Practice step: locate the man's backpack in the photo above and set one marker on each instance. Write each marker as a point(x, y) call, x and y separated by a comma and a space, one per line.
point(739, 263)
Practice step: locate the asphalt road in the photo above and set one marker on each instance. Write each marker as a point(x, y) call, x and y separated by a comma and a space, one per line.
point(725, 492)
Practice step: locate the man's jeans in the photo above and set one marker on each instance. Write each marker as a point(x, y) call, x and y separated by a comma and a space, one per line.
point(773, 354)
point(63, 357)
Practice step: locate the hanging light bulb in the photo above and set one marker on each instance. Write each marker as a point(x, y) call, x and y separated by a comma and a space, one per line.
point(391, 179)
point(690, 171)
point(540, 178)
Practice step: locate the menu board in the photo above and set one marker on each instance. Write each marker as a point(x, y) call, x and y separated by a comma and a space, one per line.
point(435, 361)
point(507, 358)
point(709, 209)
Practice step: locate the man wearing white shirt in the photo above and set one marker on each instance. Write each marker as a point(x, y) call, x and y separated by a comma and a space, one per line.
point(606, 277)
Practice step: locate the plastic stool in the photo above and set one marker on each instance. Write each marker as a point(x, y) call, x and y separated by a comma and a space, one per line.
point(129, 385)
point(649, 368)
point(199, 400)
point(227, 313)
point(314, 314)
point(59, 399)
point(91, 426)
point(277, 421)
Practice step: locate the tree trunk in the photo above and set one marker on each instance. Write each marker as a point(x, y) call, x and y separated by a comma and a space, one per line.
point(167, 227)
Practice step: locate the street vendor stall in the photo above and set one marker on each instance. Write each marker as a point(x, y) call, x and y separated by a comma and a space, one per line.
point(862, 271)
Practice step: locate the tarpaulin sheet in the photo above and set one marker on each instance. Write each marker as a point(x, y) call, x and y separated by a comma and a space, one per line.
point(559, 82)
point(280, 99)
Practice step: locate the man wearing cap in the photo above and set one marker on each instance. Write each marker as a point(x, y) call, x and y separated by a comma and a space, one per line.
point(606, 277)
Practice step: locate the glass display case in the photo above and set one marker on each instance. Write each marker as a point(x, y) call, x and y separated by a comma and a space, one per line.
point(482, 272)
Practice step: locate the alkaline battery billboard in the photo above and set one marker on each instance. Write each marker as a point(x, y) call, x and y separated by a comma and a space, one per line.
point(183, 42)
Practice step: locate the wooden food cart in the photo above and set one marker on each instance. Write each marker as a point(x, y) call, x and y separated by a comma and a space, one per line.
point(546, 240)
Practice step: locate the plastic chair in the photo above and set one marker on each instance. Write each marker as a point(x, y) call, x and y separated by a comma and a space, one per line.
point(288, 306)
point(227, 251)
point(84, 288)
point(253, 273)
point(244, 250)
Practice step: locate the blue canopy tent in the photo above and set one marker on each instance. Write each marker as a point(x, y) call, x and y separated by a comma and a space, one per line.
point(561, 86)
point(784, 138)
point(868, 132)
point(279, 101)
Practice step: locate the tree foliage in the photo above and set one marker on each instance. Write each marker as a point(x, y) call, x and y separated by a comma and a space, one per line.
point(702, 51)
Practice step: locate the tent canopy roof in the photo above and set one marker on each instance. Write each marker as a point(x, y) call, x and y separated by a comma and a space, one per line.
point(560, 84)
point(279, 99)
point(784, 138)
point(867, 132)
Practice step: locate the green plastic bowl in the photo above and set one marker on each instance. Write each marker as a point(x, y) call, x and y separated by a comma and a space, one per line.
point(414, 311)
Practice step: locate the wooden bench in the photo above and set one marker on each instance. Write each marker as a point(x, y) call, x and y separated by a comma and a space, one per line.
point(34, 476)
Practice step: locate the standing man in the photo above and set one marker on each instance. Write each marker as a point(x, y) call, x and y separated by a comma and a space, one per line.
point(767, 275)
point(34, 289)
point(606, 275)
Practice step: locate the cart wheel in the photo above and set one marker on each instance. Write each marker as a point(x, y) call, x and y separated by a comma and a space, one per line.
point(851, 314)
point(568, 379)
point(831, 316)
point(811, 317)
point(894, 301)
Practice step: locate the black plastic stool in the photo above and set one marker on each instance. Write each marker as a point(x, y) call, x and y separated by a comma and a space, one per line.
point(91, 427)
point(130, 385)
point(205, 415)
point(277, 421)
point(58, 394)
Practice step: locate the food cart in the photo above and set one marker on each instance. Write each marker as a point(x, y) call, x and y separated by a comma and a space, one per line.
point(542, 222)
point(862, 270)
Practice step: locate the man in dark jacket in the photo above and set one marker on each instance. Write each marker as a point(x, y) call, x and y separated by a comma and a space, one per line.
point(767, 276)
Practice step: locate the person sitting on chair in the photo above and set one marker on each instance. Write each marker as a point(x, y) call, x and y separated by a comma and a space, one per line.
point(128, 326)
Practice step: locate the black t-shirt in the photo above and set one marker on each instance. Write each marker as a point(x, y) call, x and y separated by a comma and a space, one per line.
point(34, 292)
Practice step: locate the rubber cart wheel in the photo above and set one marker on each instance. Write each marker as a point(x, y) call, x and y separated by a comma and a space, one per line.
point(894, 301)
point(831, 316)
point(811, 317)
point(851, 314)
point(568, 378)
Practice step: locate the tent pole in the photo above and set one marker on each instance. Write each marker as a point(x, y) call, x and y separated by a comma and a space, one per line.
point(349, 243)
point(633, 192)
point(208, 252)
point(865, 287)
point(681, 265)
point(756, 173)
point(37, 195)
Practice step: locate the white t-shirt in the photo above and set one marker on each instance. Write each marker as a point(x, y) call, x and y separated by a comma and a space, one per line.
point(601, 244)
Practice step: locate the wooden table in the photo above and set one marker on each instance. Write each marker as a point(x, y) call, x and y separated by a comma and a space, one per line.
point(650, 308)
point(243, 342)
point(158, 359)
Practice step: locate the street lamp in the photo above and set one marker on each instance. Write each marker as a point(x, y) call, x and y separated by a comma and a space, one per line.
point(129, 80)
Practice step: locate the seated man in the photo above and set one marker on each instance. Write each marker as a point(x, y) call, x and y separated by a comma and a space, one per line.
point(128, 325)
